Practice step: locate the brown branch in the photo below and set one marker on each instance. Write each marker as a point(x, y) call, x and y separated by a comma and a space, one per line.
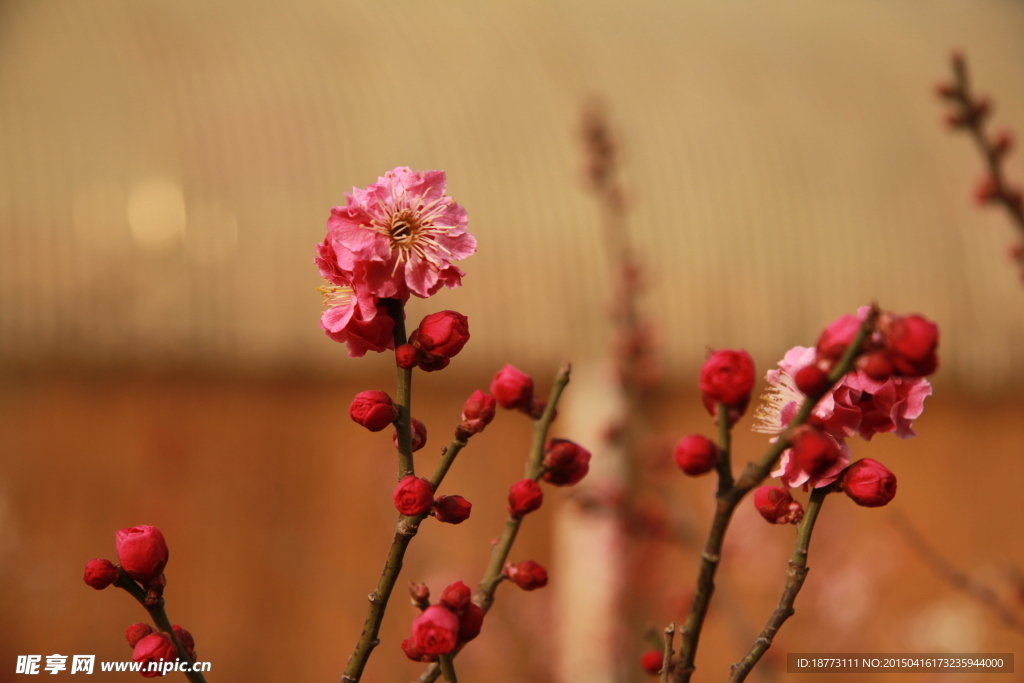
point(795, 576)
point(666, 660)
point(484, 596)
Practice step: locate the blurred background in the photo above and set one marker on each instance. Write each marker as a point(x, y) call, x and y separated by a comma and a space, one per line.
point(166, 169)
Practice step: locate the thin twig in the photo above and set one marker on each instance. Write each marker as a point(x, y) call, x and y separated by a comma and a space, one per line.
point(484, 596)
point(159, 616)
point(971, 114)
point(666, 659)
point(404, 532)
point(794, 581)
point(955, 577)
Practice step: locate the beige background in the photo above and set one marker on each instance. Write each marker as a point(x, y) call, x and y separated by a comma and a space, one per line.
point(166, 169)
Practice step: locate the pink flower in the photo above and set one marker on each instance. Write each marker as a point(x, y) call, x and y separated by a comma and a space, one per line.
point(400, 235)
point(857, 405)
point(352, 315)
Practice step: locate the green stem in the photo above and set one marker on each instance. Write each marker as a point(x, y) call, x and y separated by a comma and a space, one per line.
point(159, 616)
point(403, 425)
point(727, 500)
point(794, 582)
point(447, 668)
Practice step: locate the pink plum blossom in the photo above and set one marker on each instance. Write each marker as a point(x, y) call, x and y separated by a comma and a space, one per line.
point(857, 405)
point(400, 236)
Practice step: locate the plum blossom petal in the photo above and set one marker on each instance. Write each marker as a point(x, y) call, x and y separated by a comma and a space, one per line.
point(401, 234)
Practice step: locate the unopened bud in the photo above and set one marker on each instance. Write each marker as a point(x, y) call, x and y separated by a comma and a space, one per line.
point(452, 509)
point(419, 435)
point(413, 496)
point(777, 506)
point(456, 596)
point(512, 388)
point(407, 356)
point(100, 573)
point(869, 483)
point(525, 496)
point(137, 632)
point(527, 575)
point(696, 455)
point(373, 409)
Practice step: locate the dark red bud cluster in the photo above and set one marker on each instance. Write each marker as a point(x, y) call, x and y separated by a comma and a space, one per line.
point(433, 344)
point(900, 345)
point(777, 506)
point(565, 462)
point(442, 628)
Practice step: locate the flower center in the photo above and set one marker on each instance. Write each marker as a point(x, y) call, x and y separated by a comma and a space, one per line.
point(404, 228)
point(772, 417)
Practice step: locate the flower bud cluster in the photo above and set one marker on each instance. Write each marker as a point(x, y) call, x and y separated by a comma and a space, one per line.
point(437, 340)
point(442, 628)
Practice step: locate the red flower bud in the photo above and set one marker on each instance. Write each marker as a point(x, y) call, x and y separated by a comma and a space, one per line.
point(142, 552)
point(435, 631)
point(185, 638)
point(815, 452)
point(835, 338)
point(477, 412)
point(527, 575)
point(524, 496)
point(912, 341)
point(876, 365)
point(407, 356)
point(452, 509)
point(373, 409)
point(777, 506)
point(137, 632)
point(100, 573)
point(156, 647)
point(727, 377)
point(409, 648)
point(696, 455)
point(433, 363)
point(470, 624)
point(441, 334)
point(565, 462)
point(512, 388)
point(811, 379)
point(420, 595)
point(413, 496)
point(650, 662)
point(419, 435)
point(456, 596)
point(869, 483)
